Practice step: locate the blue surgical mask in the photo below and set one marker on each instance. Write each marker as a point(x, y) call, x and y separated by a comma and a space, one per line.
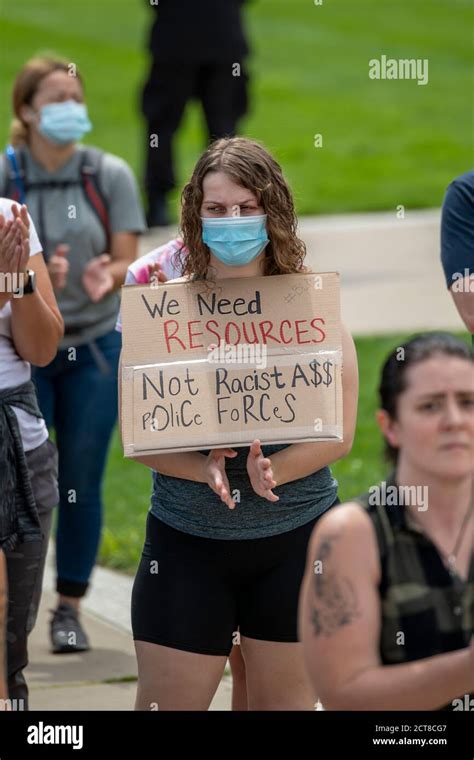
point(235, 240)
point(65, 122)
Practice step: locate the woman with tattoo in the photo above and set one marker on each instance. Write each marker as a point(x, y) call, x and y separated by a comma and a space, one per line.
point(387, 603)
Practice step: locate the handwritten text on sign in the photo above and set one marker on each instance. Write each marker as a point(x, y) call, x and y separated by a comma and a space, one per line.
point(251, 358)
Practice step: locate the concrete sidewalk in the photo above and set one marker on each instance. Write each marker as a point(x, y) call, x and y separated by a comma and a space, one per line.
point(105, 677)
point(391, 275)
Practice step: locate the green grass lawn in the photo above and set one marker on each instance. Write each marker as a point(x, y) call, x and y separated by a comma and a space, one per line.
point(385, 143)
point(128, 484)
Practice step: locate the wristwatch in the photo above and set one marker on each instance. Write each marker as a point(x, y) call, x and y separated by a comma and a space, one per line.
point(30, 286)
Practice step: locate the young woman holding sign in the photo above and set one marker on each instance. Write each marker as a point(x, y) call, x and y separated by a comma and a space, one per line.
point(230, 573)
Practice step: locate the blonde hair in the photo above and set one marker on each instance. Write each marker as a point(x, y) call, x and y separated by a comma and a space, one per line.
point(25, 87)
point(250, 165)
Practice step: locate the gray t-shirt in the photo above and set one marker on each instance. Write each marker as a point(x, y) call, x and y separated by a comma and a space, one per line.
point(194, 508)
point(64, 215)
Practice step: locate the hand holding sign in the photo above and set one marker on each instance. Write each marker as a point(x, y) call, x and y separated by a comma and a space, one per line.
point(260, 473)
point(216, 474)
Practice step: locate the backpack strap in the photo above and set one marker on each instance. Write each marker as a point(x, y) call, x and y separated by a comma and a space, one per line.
point(15, 181)
point(90, 175)
point(16, 184)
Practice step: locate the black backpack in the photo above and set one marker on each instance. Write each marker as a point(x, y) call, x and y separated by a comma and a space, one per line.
point(17, 185)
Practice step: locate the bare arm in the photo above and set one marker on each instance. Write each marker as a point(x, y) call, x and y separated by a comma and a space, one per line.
point(302, 459)
point(37, 325)
point(184, 464)
point(339, 624)
point(124, 249)
point(106, 272)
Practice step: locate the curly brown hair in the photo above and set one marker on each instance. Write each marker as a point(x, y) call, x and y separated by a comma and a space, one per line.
point(248, 164)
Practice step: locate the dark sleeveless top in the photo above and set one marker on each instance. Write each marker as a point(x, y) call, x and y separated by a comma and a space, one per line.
point(426, 609)
point(194, 508)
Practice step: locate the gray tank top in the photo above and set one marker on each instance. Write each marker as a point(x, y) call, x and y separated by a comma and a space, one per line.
point(194, 508)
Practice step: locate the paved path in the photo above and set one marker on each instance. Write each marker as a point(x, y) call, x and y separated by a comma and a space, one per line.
point(105, 677)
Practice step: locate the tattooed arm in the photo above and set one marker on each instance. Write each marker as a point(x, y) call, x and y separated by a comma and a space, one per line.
point(339, 626)
point(3, 624)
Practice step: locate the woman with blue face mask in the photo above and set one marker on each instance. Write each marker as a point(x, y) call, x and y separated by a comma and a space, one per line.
point(86, 209)
point(230, 570)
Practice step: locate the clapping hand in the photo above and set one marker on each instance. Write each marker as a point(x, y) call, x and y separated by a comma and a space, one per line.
point(97, 279)
point(156, 274)
point(260, 472)
point(14, 242)
point(58, 266)
point(216, 474)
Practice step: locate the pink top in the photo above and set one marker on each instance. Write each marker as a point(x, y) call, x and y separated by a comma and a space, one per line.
point(137, 273)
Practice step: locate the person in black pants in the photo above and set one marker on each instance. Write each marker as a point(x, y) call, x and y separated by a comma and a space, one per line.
point(198, 51)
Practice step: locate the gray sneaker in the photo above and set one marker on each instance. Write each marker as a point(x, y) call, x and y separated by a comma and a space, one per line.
point(67, 634)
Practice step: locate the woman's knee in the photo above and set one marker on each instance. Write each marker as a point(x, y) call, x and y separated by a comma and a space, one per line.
point(175, 679)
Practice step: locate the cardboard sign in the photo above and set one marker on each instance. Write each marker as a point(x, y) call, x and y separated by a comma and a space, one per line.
point(209, 366)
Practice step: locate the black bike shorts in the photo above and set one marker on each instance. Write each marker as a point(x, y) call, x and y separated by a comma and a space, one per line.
point(195, 594)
